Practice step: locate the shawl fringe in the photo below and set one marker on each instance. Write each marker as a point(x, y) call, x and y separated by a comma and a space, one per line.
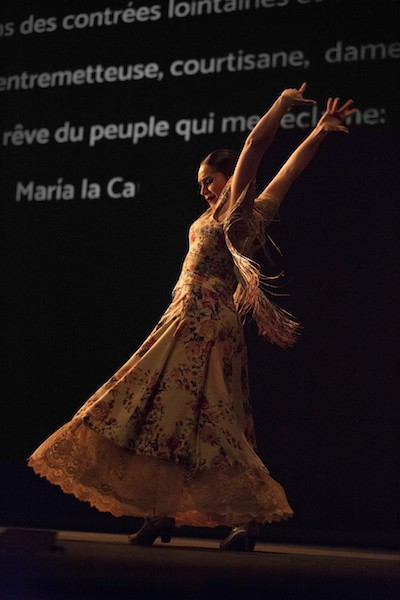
point(274, 323)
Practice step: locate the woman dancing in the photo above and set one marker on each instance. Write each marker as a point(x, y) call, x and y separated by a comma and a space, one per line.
point(170, 436)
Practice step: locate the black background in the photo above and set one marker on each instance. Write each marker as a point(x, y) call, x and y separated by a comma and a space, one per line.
point(85, 280)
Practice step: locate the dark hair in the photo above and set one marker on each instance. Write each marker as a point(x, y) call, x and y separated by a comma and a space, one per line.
point(223, 161)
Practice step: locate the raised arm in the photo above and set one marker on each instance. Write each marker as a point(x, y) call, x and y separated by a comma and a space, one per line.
point(261, 137)
point(331, 120)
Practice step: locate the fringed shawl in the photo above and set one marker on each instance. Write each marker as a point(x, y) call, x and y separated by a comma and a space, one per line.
point(245, 230)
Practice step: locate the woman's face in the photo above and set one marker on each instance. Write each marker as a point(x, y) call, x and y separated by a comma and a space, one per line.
point(211, 183)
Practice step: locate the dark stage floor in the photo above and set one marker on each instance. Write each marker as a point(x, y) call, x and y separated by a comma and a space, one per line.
point(47, 565)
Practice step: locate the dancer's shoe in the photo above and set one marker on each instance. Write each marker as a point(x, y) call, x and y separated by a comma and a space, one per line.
point(151, 530)
point(241, 539)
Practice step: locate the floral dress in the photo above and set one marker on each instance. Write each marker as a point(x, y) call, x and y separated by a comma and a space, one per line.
point(171, 433)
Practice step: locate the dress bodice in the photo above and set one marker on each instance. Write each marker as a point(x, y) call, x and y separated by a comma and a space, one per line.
point(219, 259)
point(208, 260)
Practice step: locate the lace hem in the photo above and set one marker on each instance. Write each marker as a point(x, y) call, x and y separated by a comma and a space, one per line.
point(95, 470)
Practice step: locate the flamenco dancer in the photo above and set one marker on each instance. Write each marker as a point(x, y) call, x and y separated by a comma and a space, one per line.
point(170, 436)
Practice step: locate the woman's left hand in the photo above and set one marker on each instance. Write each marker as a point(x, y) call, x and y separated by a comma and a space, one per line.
point(334, 116)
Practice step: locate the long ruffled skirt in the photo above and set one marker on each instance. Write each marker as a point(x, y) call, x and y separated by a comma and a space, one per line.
point(171, 433)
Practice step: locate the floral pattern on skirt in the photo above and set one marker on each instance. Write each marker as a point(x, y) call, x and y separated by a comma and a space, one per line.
point(171, 433)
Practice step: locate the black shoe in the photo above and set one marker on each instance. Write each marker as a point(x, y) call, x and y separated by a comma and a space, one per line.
point(240, 539)
point(151, 530)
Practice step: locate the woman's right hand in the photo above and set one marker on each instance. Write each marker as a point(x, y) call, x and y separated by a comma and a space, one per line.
point(292, 96)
